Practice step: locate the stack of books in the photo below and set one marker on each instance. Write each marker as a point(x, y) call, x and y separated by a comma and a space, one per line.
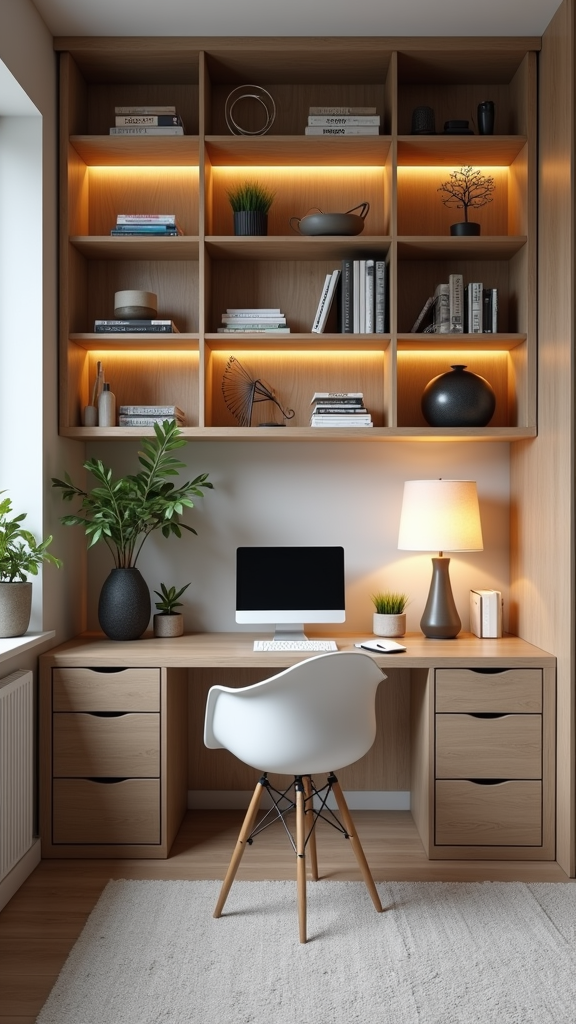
point(342, 121)
point(268, 321)
point(146, 224)
point(456, 308)
point(148, 415)
point(135, 327)
point(154, 120)
point(339, 409)
point(364, 297)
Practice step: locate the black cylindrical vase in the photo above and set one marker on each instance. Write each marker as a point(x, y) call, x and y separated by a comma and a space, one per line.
point(248, 222)
point(458, 398)
point(465, 227)
point(124, 606)
point(486, 118)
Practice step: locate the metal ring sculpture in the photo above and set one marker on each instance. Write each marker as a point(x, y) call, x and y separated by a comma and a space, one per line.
point(262, 96)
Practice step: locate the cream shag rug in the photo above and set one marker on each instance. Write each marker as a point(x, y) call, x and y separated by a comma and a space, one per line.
point(442, 953)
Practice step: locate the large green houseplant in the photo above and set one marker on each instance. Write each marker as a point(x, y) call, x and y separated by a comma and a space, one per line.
point(21, 555)
point(123, 513)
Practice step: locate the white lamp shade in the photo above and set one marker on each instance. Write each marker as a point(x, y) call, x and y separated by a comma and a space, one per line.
point(440, 515)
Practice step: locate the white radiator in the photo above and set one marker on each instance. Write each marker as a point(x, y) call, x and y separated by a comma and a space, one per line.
point(16, 769)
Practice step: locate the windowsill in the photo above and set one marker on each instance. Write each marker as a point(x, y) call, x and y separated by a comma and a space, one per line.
point(10, 646)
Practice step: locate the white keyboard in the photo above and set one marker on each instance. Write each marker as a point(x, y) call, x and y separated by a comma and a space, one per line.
point(295, 645)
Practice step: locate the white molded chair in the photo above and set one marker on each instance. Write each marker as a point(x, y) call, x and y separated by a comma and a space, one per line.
point(314, 717)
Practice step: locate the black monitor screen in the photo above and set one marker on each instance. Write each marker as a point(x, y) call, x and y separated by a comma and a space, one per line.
point(289, 579)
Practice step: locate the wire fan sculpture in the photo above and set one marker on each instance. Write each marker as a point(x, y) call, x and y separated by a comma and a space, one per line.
point(241, 391)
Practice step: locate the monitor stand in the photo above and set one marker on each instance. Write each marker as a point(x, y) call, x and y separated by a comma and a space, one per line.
point(289, 631)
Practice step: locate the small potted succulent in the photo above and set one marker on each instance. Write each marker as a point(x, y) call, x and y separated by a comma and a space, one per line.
point(467, 189)
point(389, 616)
point(250, 204)
point(167, 621)
point(20, 556)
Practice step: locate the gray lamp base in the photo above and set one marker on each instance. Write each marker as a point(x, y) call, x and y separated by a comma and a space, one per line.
point(440, 620)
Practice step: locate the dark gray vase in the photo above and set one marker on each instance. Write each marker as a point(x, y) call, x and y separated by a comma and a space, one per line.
point(248, 222)
point(458, 398)
point(124, 605)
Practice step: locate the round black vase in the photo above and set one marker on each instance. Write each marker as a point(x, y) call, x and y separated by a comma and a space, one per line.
point(458, 398)
point(124, 605)
point(465, 227)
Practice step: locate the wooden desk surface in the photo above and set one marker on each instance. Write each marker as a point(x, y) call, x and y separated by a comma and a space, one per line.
point(234, 650)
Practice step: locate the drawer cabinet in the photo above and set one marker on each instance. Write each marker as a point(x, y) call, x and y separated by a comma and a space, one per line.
point(110, 783)
point(486, 788)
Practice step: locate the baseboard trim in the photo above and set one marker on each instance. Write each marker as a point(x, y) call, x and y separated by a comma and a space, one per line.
point(19, 873)
point(238, 799)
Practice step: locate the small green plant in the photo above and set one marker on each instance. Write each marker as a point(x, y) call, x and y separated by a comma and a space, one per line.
point(251, 196)
point(388, 603)
point(20, 552)
point(169, 599)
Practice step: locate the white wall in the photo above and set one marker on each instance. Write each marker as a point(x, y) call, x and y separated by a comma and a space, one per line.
point(315, 493)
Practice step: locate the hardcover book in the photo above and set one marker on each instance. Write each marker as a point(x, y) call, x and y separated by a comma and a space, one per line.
point(380, 296)
point(175, 130)
point(344, 120)
point(351, 130)
point(147, 120)
point(166, 109)
point(341, 110)
point(325, 302)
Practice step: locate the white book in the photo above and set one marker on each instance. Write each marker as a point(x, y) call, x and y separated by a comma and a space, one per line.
point(248, 311)
point(325, 302)
point(146, 218)
point(352, 130)
point(356, 297)
point(475, 311)
point(456, 284)
point(233, 321)
point(146, 110)
point(486, 613)
point(380, 296)
point(344, 120)
point(442, 309)
point(369, 327)
point(151, 410)
point(175, 130)
point(341, 110)
point(147, 120)
point(362, 295)
point(146, 421)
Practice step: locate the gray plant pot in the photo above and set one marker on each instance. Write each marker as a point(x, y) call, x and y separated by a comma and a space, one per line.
point(168, 625)
point(465, 227)
point(247, 222)
point(15, 608)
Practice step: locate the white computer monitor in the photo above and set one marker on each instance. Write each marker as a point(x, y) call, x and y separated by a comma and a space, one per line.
point(288, 586)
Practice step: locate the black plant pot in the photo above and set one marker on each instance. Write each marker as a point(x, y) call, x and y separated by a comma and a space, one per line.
point(248, 222)
point(458, 398)
point(124, 605)
point(465, 227)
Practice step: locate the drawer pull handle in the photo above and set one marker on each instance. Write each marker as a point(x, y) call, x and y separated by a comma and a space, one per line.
point(108, 670)
point(489, 671)
point(487, 782)
point(487, 714)
point(109, 714)
point(107, 781)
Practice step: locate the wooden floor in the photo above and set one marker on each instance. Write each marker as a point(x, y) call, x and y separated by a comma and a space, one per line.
point(43, 920)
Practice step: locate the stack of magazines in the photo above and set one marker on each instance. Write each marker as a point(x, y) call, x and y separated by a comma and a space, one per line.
point(238, 319)
point(145, 224)
point(148, 415)
point(339, 409)
point(154, 120)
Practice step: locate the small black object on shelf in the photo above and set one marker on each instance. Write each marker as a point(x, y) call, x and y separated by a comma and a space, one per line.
point(457, 128)
point(486, 117)
point(241, 391)
point(423, 121)
point(458, 398)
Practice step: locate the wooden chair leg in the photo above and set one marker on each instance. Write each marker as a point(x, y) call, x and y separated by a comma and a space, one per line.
point(301, 858)
point(247, 826)
point(356, 844)
point(310, 830)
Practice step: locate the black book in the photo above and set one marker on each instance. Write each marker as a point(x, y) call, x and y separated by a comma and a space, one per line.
point(346, 306)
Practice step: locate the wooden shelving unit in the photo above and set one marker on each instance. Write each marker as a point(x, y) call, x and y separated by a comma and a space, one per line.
point(197, 275)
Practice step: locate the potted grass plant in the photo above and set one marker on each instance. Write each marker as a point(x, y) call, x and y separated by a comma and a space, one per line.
point(250, 204)
point(389, 617)
point(167, 621)
point(123, 513)
point(20, 556)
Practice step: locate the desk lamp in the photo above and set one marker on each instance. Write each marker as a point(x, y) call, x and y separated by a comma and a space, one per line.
point(440, 515)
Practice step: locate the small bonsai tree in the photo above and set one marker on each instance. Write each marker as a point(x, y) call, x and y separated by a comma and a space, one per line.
point(388, 603)
point(20, 552)
point(468, 189)
point(251, 197)
point(169, 599)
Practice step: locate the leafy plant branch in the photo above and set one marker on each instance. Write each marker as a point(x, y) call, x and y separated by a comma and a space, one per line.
point(468, 189)
point(20, 552)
